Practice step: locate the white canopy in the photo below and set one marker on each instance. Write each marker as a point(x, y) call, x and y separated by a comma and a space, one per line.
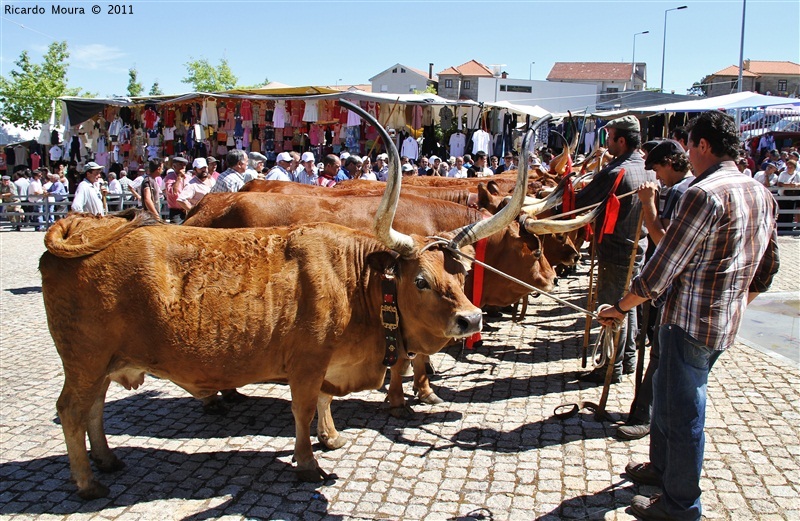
point(535, 111)
point(739, 100)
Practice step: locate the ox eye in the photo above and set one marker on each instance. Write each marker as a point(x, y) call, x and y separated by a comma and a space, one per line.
point(421, 283)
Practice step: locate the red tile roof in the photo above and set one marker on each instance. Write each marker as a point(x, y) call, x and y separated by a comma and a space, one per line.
point(471, 68)
point(590, 71)
point(758, 68)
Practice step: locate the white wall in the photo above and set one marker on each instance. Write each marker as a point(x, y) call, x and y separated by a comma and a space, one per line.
point(553, 96)
point(399, 83)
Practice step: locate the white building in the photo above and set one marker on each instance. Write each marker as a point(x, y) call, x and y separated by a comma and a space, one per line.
point(553, 97)
point(402, 79)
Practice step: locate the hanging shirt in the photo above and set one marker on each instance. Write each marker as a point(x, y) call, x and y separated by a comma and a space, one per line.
point(310, 114)
point(150, 117)
point(457, 143)
point(410, 148)
point(481, 141)
point(279, 115)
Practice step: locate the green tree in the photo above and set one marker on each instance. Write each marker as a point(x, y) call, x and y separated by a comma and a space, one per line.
point(29, 90)
point(135, 88)
point(204, 77)
point(155, 90)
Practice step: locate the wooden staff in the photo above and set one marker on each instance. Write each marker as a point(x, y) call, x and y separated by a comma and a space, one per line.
point(590, 302)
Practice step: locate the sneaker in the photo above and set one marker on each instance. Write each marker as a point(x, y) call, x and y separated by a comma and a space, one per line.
point(643, 474)
point(628, 369)
point(633, 432)
point(598, 376)
point(649, 508)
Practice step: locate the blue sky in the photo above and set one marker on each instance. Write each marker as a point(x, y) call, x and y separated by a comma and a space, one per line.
point(324, 43)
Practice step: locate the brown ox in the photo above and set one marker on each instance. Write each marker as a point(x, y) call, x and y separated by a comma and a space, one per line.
point(216, 309)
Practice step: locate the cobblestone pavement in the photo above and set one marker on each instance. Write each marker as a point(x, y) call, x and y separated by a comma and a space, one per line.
point(492, 451)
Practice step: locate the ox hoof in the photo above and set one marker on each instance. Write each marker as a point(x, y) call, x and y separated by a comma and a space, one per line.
point(94, 490)
point(311, 473)
point(113, 465)
point(402, 412)
point(233, 396)
point(430, 399)
point(336, 443)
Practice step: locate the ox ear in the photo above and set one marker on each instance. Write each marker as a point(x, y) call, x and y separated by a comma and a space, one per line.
point(531, 241)
point(493, 188)
point(383, 261)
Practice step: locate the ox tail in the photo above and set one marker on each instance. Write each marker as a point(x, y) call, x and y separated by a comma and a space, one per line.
point(79, 235)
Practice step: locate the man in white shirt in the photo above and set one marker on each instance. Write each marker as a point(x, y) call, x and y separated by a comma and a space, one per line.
point(88, 198)
point(306, 173)
point(458, 170)
point(382, 162)
point(255, 164)
point(279, 172)
point(198, 186)
point(767, 177)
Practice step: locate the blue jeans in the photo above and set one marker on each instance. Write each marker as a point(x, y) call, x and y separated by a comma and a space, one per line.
point(610, 288)
point(679, 414)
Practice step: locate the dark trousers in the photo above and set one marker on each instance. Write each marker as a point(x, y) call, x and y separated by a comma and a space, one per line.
point(643, 399)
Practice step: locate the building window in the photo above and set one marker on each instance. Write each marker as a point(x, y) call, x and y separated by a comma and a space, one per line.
point(612, 89)
point(394, 71)
point(467, 85)
point(412, 88)
point(402, 71)
point(448, 84)
point(782, 85)
point(384, 88)
point(516, 88)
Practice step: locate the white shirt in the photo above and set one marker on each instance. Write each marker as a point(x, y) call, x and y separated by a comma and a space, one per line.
point(114, 187)
point(195, 190)
point(56, 153)
point(369, 176)
point(455, 172)
point(35, 191)
point(760, 177)
point(784, 177)
point(457, 142)
point(410, 148)
point(481, 141)
point(278, 174)
point(88, 199)
point(482, 172)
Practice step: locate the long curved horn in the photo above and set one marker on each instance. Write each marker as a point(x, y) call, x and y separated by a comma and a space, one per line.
point(476, 231)
point(553, 199)
point(394, 240)
point(542, 226)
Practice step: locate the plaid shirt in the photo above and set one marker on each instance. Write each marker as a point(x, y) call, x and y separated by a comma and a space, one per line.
point(228, 181)
point(721, 244)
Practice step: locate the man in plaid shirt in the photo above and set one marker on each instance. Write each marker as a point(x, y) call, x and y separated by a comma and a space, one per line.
point(719, 252)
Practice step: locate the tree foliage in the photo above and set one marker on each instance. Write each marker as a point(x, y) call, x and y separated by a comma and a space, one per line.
point(155, 90)
point(29, 90)
point(204, 77)
point(699, 88)
point(135, 88)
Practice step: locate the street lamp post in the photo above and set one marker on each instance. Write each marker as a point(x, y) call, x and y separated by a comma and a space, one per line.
point(633, 59)
point(664, 45)
point(530, 71)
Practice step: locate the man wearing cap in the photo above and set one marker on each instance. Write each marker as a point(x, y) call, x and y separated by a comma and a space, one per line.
point(615, 247)
point(307, 173)
point(232, 179)
point(174, 181)
point(671, 165)
point(8, 194)
point(280, 171)
point(382, 162)
point(458, 169)
point(719, 252)
point(769, 176)
point(407, 170)
point(255, 165)
point(88, 197)
point(198, 186)
point(211, 161)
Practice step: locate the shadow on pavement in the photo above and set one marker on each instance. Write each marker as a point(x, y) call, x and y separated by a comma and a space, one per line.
point(593, 506)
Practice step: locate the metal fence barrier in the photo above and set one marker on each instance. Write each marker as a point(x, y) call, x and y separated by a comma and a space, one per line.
point(43, 214)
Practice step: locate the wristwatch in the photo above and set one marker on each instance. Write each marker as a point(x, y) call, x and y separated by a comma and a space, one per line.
point(619, 309)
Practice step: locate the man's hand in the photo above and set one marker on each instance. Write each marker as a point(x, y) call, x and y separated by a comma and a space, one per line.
point(647, 192)
point(608, 316)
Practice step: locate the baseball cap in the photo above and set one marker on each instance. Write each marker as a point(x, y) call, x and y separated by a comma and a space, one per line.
point(91, 165)
point(407, 168)
point(344, 155)
point(629, 123)
point(199, 163)
point(664, 149)
point(180, 159)
point(211, 159)
point(306, 157)
point(284, 156)
point(433, 159)
point(383, 157)
point(6, 178)
point(648, 146)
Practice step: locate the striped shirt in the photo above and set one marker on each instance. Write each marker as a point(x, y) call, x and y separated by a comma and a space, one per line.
point(720, 245)
point(228, 181)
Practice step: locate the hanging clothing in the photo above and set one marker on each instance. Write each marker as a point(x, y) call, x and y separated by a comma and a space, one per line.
point(457, 143)
point(410, 148)
point(279, 115)
point(209, 115)
point(481, 141)
point(310, 114)
point(246, 110)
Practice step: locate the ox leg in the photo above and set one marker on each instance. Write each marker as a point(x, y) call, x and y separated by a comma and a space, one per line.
point(326, 430)
point(74, 407)
point(102, 456)
point(397, 400)
point(422, 384)
point(304, 402)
